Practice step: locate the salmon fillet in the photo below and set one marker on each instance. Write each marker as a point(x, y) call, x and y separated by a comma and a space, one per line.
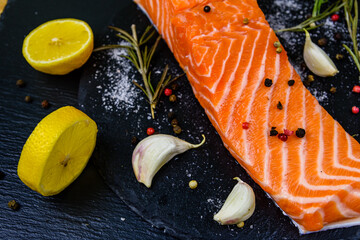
point(315, 180)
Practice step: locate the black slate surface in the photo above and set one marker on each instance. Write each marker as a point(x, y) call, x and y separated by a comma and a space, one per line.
point(170, 204)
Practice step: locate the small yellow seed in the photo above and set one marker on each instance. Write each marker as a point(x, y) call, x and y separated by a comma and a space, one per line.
point(240, 224)
point(277, 44)
point(193, 184)
point(279, 50)
point(246, 21)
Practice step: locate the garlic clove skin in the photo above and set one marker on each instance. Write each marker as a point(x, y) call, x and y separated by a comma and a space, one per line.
point(239, 205)
point(317, 60)
point(153, 152)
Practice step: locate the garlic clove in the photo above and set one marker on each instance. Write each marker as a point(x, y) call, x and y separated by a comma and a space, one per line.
point(154, 151)
point(239, 205)
point(317, 60)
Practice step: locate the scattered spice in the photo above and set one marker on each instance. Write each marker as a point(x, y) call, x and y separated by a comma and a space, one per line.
point(167, 92)
point(291, 82)
point(20, 83)
point(322, 41)
point(174, 86)
point(310, 78)
point(246, 21)
point(240, 225)
point(207, 9)
point(279, 50)
point(288, 132)
point(338, 36)
point(273, 132)
point(335, 17)
point(283, 137)
point(28, 99)
point(279, 106)
point(13, 205)
point(300, 132)
point(2, 175)
point(355, 110)
point(172, 98)
point(174, 122)
point(339, 56)
point(356, 89)
point(150, 131)
point(277, 44)
point(177, 129)
point(134, 140)
point(193, 184)
point(45, 104)
point(333, 89)
point(245, 125)
point(171, 115)
point(268, 82)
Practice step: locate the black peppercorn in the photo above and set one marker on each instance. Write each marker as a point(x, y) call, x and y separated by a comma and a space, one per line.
point(13, 205)
point(174, 86)
point(174, 122)
point(171, 115)
point(177, 129)
point(2, 175)
point(273, 132)
point(28, 99)
point(333, 89)
point(300, 132)
point(279, 105)
point(207, 9)
point(291, 82)
point(134, 140)
point(45, 104)
point(172, 98)
point(268, 82)
point(20, 83)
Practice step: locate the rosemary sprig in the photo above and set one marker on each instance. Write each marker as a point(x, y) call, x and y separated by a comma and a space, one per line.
point(317, 15)
point(352, 23)
point(141, 57)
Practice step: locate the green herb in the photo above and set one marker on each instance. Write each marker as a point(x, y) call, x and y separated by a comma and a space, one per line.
point(141, 56)
point(317, 15)
point(352, 22)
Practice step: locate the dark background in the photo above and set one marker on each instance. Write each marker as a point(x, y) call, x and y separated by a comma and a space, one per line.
point(88, 209)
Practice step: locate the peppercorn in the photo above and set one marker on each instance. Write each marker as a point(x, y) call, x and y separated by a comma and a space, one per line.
point(167, 92)
point(171, 115)
point(2, 175)
point(335, 17)
point(337, 36)
point(339, 56)
point(20, 83)
point(13, 205)
point(134, 140)
point(150, 131)
point(45, 104)
point(245, 125)
point(283, 137)
point(322, 41)
point(356, 89)
point(277, 44)
point(355, 110)
point(28, 99)
point(174, 122)
point(279, 50)
point(310, 78)
point(207, 9)
point(273, 132)
point(246, 21)
point(291, 82)
point(174, 86)
point(268, 82)
point(300, 132)
point(279, 106)
point(240, 224)
point(172, 98)
point(193, 184)
point(333, 89)
point(177, 129)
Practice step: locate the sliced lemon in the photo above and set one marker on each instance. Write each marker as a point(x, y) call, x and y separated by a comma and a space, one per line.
point(59, 46)
point(57, 150)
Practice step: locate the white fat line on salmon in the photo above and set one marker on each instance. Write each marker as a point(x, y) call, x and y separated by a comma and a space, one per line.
point(244, 82)
point(261, 75)
point(350, 152)
point(285, 160)
point(266, 130)
point(336, 158)
point(232, 77)
point(202, 57)
point(151, 5)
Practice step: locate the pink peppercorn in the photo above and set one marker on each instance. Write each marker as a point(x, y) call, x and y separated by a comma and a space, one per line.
point(245, 125)
point(283, 137)
point(335, 17)
point(150, 131)
point(167, 92)
point(288, 132)
point(355, 110)
point(356, 89)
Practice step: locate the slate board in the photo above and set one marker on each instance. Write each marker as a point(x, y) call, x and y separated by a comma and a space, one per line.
point(170, 204)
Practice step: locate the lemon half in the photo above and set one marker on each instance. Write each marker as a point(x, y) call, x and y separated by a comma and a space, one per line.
point(59, 46)
point(57, 150)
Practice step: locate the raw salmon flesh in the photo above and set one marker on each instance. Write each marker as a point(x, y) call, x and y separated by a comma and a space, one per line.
point(315, 180)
